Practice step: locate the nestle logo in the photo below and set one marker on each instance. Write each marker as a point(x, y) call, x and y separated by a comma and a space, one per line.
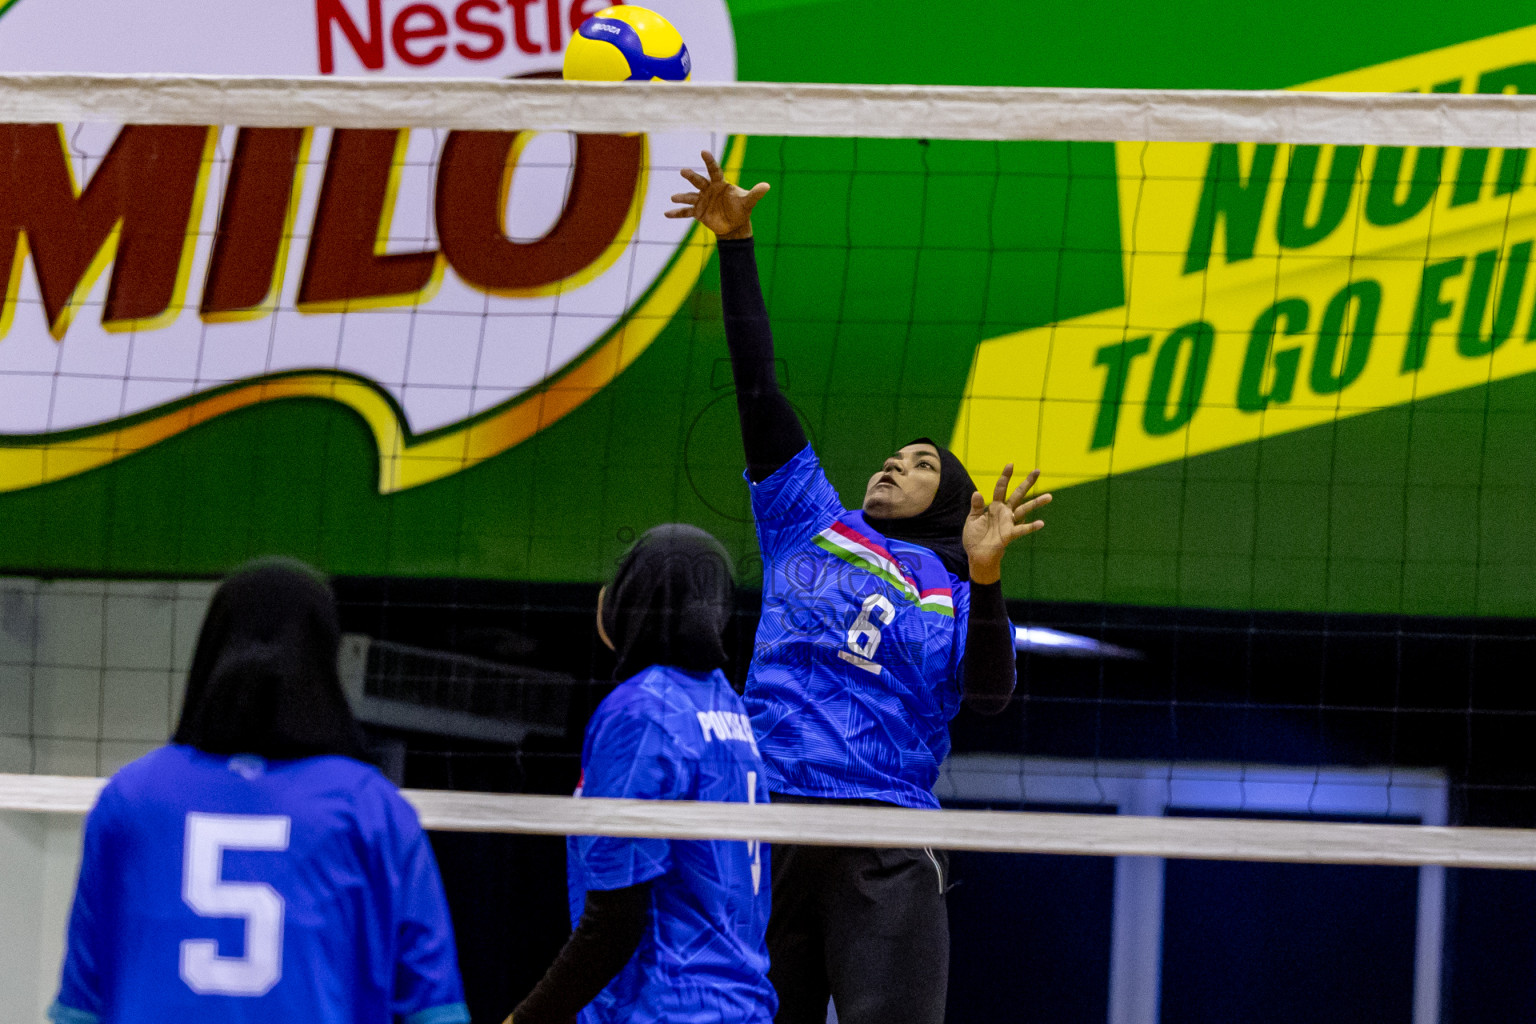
point(420, 33)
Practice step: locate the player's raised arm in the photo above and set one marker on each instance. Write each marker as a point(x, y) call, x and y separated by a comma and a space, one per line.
point(989, 529)
point(770, 431)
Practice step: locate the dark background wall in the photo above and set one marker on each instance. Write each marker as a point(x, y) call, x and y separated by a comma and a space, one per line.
point(1242, 942)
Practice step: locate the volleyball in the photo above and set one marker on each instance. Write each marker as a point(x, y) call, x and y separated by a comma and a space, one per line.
point(627, 44)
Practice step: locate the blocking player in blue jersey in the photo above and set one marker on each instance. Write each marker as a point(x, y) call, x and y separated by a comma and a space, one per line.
point(256, 871)
point(665, 931)
point(878, 622)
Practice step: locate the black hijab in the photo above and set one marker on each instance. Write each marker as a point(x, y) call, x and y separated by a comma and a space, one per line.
point(939, 526)
point(264, 678)
point(669, 602)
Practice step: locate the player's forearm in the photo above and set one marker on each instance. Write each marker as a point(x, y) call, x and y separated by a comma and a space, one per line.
point(989, 651)
point(603, 941)
point(770, 430)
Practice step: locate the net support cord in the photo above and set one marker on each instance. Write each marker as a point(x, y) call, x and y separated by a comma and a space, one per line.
point(990, 831)
point(762, 108)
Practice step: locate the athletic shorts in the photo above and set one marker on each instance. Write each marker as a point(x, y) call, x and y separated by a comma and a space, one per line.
point(867, 927)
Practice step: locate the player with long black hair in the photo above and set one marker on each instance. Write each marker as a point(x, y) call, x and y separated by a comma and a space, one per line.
point(256, 870)
point(877, 624)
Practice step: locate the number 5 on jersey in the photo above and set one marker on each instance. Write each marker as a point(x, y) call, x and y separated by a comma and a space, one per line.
point(204, 890)
point(864, 634)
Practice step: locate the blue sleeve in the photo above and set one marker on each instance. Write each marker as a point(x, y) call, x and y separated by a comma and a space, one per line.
point(794, 503)
point(960, 591)
point(628, 755)
point(81, 998)
point(428, 989)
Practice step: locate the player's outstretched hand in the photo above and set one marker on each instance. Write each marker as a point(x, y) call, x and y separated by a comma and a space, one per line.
point(724, 208)
point(992, 526)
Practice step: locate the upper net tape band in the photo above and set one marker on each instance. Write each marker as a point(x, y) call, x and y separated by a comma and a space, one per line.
point(759, 108)
point(991, 831)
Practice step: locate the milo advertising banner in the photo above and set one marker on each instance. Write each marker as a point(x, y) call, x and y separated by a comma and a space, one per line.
point(1255, 376)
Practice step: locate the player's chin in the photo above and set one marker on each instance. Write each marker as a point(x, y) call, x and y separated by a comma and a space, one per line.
point(878, 503)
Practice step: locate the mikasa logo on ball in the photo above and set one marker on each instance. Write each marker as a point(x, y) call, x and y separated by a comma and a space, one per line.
point(215, 259)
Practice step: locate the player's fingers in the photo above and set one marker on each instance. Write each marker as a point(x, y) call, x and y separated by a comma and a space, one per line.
point(712, 166)
point(685, 211)
point(1024, 511)
point(686, 197)
point(1032, 504)
point(977, 503)
point(1024, 488)
point(695, 179)
point(1000, 490)
point(1025, 529)
point(758, 191)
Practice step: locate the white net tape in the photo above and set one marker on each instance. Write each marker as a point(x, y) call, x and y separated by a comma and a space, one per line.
point(991, 831)
point(757, 108)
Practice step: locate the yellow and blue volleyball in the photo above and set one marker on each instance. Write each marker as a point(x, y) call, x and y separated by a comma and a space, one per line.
point(627, 44)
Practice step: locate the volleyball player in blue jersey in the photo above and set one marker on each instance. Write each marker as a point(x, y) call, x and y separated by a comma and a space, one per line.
point(256, 871)
point(877, 624)
point(665, 931)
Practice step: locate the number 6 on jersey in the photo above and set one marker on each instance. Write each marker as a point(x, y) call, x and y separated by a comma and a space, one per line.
point(864, 634)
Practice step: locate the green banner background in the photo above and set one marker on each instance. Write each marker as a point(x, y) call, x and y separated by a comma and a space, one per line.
point(886, 263)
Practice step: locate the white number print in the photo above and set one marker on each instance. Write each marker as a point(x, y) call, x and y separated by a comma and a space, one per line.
point(205, 891)
point(754, 847)
point(864, 634)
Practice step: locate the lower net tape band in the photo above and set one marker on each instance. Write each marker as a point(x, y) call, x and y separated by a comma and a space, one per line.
point(993, 831)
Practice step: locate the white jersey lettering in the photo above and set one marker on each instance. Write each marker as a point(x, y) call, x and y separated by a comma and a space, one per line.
point(727, 725)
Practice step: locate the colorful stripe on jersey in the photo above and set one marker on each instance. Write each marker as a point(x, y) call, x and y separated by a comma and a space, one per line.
point(861, 552)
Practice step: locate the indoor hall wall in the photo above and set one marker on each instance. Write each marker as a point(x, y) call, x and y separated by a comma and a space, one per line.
point(39, 861)
point(92, 671)
point(91, 677)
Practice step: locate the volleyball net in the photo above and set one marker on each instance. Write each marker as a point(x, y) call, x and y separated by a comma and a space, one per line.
point(1272, 350)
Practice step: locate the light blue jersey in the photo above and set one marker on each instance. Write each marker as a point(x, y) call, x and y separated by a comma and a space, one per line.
point(666, 734)
point(859, 657)
point(233, 890)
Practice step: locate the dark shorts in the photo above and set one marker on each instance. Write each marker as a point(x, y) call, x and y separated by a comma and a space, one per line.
point(868, 927)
